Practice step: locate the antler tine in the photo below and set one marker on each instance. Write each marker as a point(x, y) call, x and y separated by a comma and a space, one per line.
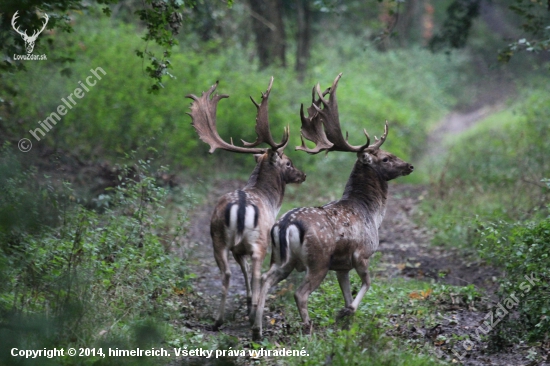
point(312, 129)
point(331, 121)
point(203, 114)
point(262, 124)
point(379, 143)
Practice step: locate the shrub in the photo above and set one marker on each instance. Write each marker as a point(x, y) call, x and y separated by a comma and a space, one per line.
point(521, 250)
point(494, 171)
point(94, 276)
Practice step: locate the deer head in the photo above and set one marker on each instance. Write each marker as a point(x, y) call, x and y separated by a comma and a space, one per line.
point(322, 126)
point(29, 40)
point(203, 114)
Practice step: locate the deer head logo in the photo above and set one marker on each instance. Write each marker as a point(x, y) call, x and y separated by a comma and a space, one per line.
point(29, 40)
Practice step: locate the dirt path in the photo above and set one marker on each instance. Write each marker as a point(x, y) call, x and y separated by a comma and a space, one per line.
point(404, 245)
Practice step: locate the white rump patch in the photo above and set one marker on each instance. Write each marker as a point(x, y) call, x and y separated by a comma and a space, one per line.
point(233, 218)
point(249, 217)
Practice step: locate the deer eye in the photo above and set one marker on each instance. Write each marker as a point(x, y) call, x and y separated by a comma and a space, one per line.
point(385, 160)
point(288, 164)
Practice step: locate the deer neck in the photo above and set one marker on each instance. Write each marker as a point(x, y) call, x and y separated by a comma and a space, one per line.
point(267, 181)
point(366, 188)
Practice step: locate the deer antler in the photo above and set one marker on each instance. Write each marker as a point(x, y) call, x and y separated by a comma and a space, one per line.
point(203, 114)
point(328, 115)
point(312, 127)
point(379, 143)
point(262, 124)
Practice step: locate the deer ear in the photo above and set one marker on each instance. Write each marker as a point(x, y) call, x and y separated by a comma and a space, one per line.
point(365, 157)
point(257, 157)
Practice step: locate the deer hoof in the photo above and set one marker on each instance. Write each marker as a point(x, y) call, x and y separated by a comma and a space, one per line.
point(344, 312)
point(256, 335)
point(217, 325)
point(307, 328)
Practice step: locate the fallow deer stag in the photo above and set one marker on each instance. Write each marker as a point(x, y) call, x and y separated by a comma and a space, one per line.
point(242, 219)
point(340, 235)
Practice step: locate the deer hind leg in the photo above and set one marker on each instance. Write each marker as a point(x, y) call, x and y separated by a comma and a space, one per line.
point(241, 259)
point(275, 275)
point(312, 280)
point(257, 259)
point(223, 264)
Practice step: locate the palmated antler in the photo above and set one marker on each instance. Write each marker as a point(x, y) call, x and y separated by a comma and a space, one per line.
point(262, 124)
point(203, 114)
point(322, 126)
point(312, 127)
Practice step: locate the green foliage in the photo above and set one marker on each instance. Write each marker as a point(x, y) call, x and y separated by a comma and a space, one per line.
point(521, 250)
point(456, 28)
point(94, 279)
point(162, 18)
point(535, 17)
point(117, 114)
point(19, 211)
point(494, 171)
point(390, 307)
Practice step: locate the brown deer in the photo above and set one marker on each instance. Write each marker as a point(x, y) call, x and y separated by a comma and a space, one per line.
point(242, 219)
point(340, 235)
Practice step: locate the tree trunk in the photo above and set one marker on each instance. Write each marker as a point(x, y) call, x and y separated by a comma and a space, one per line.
point(267, 24)
point(405, 22)
point(303, 14)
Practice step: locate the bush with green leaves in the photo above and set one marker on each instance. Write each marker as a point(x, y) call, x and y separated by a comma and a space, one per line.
point(521, 250)
point(494, 171)
point(91, 278)
point(117, 114)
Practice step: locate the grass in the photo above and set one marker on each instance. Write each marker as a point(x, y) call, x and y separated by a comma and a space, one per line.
point(493, 171)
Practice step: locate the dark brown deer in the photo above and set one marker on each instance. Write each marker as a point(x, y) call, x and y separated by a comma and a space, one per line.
point(242, 219)
point(340, 235)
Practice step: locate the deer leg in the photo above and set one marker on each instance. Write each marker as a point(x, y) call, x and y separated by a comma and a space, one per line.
point(363, 272)
point(241, 259)
point(311, 282)
point(257, 260)
point(343, 281)
point(275, 275)
point(223, 264)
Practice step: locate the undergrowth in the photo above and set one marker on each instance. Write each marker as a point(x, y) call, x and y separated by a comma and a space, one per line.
point(81, 277)
point(492, 194)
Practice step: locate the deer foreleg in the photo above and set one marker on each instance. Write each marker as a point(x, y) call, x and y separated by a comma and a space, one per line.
point(343, 281)
point(363, 272)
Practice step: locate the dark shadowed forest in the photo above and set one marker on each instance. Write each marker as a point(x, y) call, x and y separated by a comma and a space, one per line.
point(107, 190)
